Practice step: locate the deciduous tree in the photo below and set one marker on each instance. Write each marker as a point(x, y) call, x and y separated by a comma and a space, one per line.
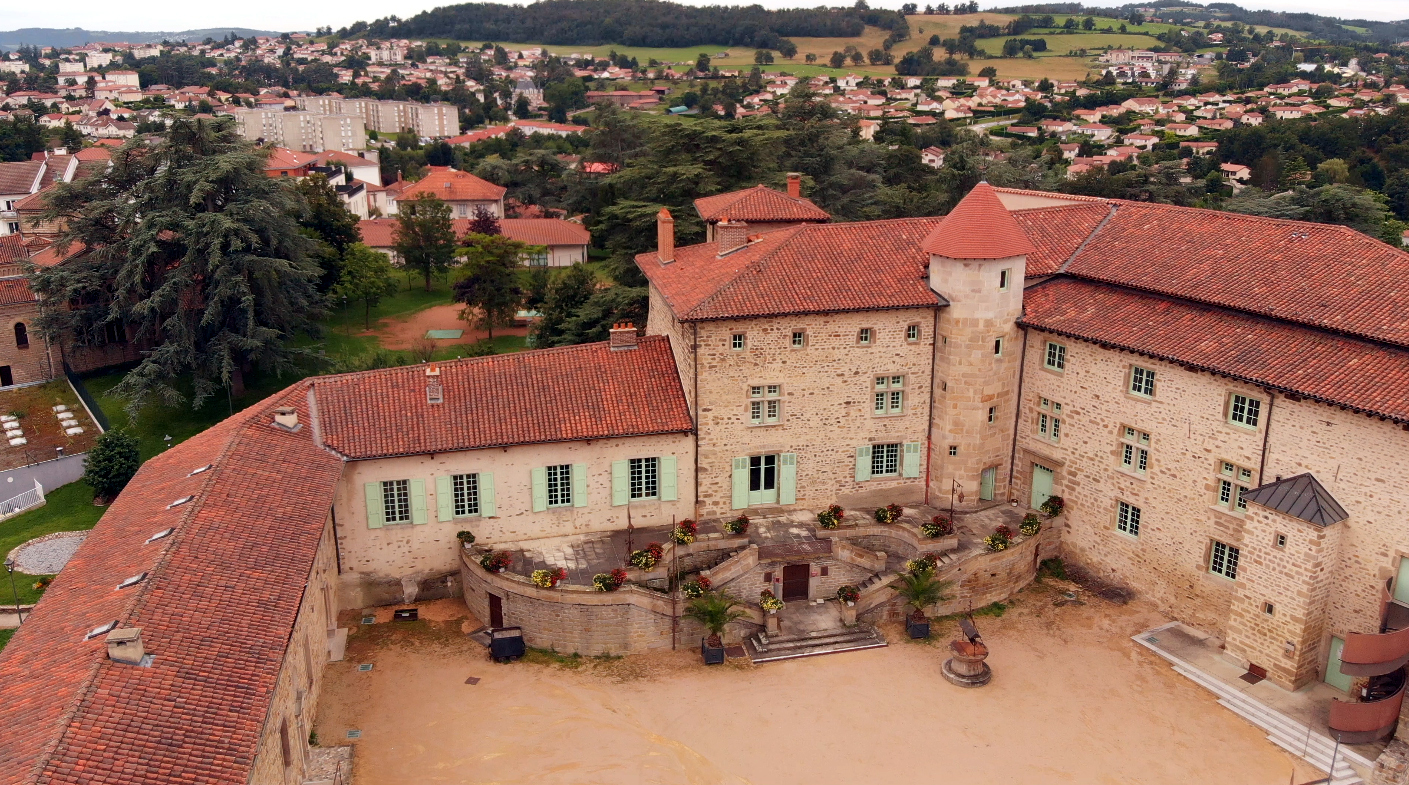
point(425, 237)
point(367, 276)
point(491, 285)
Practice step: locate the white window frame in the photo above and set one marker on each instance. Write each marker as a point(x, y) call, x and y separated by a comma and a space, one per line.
point(1005, 279)
point(1134, 450)
point(1234, 482)
point(885, 460)
point(997, 347)
point(912, 332)
point(643, 478)
point(1141, 382)
point(799, 339)
point(559, 485)
point(464, 495)
point(1056, 357)
point(1223, 560)
point(889, 395)
point(992, 414)
point(1244, 411)
point(396, 501)
point(865, 336)
point(737, 342)
point(1049, 426)
point(765, 404)
point(1127, 519)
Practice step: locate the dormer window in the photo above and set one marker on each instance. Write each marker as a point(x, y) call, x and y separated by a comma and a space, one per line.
point(102, 629)
point(180, 502)
point(194, 472)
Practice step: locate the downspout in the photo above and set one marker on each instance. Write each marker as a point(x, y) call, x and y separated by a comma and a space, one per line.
point(695, 372)
point(929, 432)
point(337, 548)
point(1266, 436)
point(1017, 415)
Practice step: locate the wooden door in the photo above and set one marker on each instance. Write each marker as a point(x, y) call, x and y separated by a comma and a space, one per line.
point(1041, 484)
point(795, 582)
point(496, 611)
point(986, 482)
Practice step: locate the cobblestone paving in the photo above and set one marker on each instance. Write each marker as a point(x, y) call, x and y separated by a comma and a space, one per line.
point(48, 554)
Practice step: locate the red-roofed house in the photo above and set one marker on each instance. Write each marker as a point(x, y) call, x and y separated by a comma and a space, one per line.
point(565, 242)
point(762, 208)
point(461, 190)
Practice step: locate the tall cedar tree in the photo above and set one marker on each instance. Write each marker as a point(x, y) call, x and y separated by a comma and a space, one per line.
point(425, 237)
point(492, 285)
point(188, 243)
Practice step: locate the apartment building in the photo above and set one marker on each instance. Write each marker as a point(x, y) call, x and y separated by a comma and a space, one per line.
point(310, 132)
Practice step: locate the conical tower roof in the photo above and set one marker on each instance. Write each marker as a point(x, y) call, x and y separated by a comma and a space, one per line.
point(980, 227)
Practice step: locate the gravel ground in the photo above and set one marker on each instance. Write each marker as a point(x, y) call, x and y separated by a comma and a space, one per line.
point(48, 554)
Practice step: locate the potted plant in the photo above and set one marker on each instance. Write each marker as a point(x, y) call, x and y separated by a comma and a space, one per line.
point(889, 513)
point(496, 561)
point(1030, 525)
point(647, 557)
point(920, 590)
point(926, 563)
point(848, 594)
point(609, 581)
point(830, 518)
point(697, 587)
point(739, 525)
point(714, 610)
point(547, 579)
point(770, 601)
point(466, 538)
point(1000, 539)
point(939, 526)
point(1053, 506)
point(685, 532)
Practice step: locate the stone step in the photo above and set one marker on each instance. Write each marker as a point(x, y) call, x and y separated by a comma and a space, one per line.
point(854, 640)
point(814, 639)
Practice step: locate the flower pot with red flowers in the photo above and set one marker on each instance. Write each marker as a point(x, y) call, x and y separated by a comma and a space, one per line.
point(496, 561)
point(830, 518)
point(697, 587)
point(889, 513)
point(938, 526)
point(547, 579)
point(848, 594)
point(685, 532)
point(609, 581)
point(739, 525)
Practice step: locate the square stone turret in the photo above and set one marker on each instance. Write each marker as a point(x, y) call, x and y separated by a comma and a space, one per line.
point(978, 259)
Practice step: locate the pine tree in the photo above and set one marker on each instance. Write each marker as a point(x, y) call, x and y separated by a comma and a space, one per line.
point(188, 243)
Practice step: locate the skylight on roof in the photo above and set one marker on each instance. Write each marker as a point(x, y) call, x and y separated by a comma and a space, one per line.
point(102, 629)
point(180, 502)
point(194, 472)
point(133, 581)
point(160, 534)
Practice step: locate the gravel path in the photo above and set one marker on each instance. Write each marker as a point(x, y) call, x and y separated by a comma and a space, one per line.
point(48, 554)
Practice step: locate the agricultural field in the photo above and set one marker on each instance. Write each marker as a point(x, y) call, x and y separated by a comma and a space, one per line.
point(1058, 44)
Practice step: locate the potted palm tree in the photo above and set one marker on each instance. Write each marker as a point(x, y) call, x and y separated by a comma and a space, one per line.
point(920, 590)
point(714, 610)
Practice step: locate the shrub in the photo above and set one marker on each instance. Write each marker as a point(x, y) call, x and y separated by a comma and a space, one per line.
point(939, 526)
point(739, 525)
point(495, 561)
point(926, 563)
point(43, 583)
point(609, 581)
point(698, 587)
point(921, 590)
point(714, 610)
point(685, 532)
point(769, 600)
point(1031, 525)
point(547, 579)
point(111, 463)
point(889, 513)
point(465, 538)
point(848, 593)
point(830, 518)
point(1053, 506)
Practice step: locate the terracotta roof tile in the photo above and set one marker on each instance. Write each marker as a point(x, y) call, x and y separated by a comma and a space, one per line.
point(1361, 375)
point(1056, 232)
point(979, 227)
point(18, 177)
point(551, 395)
point(12, 249)
point(16, 290)
point(812, 268)
point(759, 204)
point(452, 185)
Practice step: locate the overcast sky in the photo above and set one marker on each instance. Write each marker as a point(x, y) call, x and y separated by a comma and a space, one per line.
point(282, 15)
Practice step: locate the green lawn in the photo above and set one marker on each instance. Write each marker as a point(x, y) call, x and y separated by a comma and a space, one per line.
point(5, 636)
point(69, 508)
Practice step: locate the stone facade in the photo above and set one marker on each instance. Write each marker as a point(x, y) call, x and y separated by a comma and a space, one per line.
point(34, 360)
point(283, 756)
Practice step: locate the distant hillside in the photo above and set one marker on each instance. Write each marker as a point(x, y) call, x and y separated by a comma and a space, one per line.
point(1325, 28)
point(77, 36)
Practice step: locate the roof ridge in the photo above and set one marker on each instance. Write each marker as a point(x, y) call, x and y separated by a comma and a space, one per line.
point(1341, 228)
point(779, 237)
point(349, 375)
point(1114, 208)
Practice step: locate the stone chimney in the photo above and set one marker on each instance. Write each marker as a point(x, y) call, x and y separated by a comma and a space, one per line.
point(731, 235)
point(665, 236)
point(435, 393)
point(126, 646)
point(286, 417)
point(794, 185)
point(623, 335)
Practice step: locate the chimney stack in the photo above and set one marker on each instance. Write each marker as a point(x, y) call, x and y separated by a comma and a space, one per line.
point(665, 236)
point(435, 393)
point(794, 185)
point(286, 417)
point(126, 646)
point(623, 335)
point(731, 235)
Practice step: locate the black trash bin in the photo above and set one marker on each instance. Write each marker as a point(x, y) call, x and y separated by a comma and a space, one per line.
point(506, 643)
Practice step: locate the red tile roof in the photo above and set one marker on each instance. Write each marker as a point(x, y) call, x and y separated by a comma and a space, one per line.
point(979, 227)
point(284, 158)
point(551, 395)
point(18, 177)
point(12, 249)
point(1056, 232)
point(812, 268)
point(217, 611)
point(16, 290)
point(759, 204)
point(53, 254)
point(452, 185)
point(94, 154)
point(381, 232)
point(1360, 375)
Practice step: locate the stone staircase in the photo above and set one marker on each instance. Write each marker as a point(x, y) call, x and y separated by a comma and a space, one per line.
point(1314, 747)
point(763, 648)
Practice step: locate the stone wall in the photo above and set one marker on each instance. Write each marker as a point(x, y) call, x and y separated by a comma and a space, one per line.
point(293, 708)
point(661, 321)
point(37, 362)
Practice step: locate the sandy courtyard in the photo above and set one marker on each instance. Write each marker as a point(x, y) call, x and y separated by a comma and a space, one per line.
point(1073, 700)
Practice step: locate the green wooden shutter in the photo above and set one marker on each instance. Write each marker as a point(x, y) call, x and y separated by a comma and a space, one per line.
point(863, 463)
point(910, 466)
point(787, 486)
point(418, 501)
point(486, 495)
point(375, 514)
point(540, 488)
point(444, 498)
point(741, 483)
point(621, 490)
point(579, 485)
point(668, 492)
